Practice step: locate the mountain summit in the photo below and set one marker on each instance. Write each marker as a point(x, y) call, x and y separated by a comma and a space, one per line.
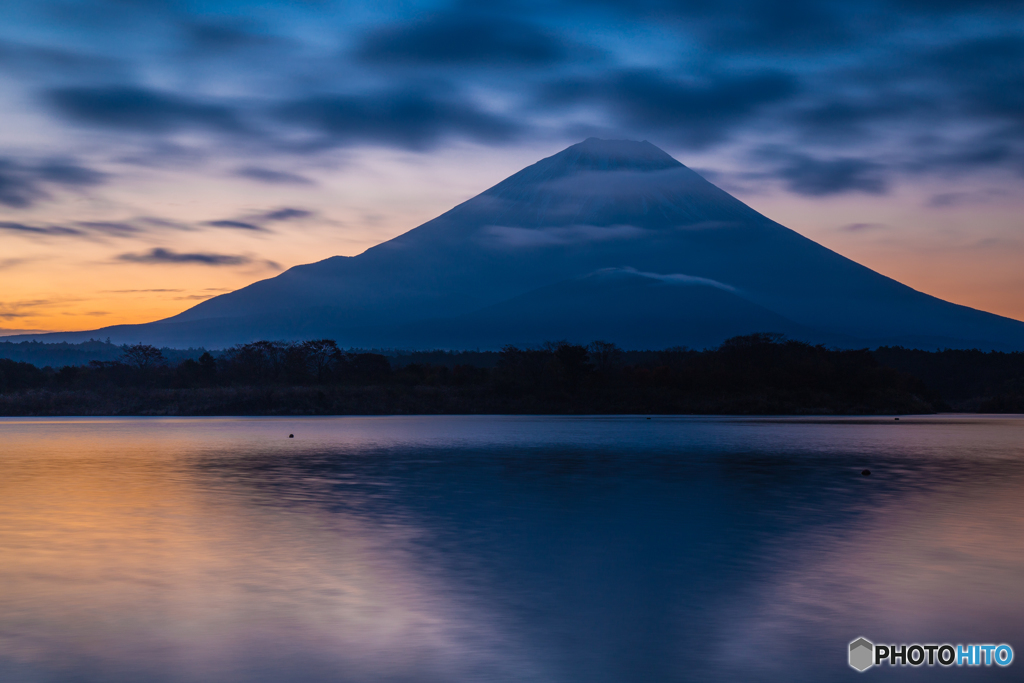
point(594, 154)
point(608, 239)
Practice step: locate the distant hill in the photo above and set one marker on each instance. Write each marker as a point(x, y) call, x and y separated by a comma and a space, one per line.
point(59, 354)
point(608, 238)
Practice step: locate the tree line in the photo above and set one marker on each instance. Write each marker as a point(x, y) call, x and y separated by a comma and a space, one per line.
point(752, 374)
point(258, 363)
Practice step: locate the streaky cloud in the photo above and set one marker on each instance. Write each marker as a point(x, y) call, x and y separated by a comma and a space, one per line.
point(41, 230)
point(948, 199)
point(671, 278)
point(285, 213)
point(413, 118)
point(25, 183)
point(816, 177)
point(54, 61)
point(228, 36)
point(455, 39)
point(254, 222)
point(141, 109)
point(160, 255)
point(110, 228)
point(272, 177)
point(696, 112)
point(237, 225)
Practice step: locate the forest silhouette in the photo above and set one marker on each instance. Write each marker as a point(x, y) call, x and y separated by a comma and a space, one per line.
point(753, 374)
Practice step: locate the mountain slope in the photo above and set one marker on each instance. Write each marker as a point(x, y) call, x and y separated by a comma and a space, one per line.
point(597, 205)
point(626, 307)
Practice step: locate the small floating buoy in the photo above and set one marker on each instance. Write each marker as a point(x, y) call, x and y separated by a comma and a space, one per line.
point(291, 436)
point(866, 473)
point(648, 418)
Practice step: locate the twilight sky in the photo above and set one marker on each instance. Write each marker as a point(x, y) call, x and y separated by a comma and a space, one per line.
point(154, 153)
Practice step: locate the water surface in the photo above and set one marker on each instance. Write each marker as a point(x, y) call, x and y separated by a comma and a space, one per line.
point(427, 549)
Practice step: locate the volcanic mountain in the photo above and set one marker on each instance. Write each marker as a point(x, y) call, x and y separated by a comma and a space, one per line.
point(608, 239)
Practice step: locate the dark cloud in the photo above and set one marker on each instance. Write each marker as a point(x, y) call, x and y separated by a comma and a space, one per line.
point(947, 199)
point(285, 213)
point(157, 222)
point(990, 153)
point(160, 255)
point(412, 118)
point(18, 189)
point(238, 225)
point(49, 61)
point(954, 108)
point(227, 37)
point(67, 173)
point(266, 175)
point(796, 27)
point(880, 13)
point(22, 184)
point(452, 39)
point(814, 177)
point(83, 229)
point(987, 74)
point(933, 154)
point(846, 120)
point(956, 6)
point(852, 90)
point(254, 222)
point(978, 56)
point(793, 27)
point(113, 229)
point(698, 112)
point(40, 230)
point(141, 109)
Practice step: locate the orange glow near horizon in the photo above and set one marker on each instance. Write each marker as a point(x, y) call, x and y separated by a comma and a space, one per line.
point(968, 254)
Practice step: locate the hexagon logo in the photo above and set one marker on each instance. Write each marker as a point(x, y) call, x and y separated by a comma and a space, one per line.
point(862, 654)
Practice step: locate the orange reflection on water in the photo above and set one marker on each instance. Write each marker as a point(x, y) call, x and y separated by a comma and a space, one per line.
point(118, 551)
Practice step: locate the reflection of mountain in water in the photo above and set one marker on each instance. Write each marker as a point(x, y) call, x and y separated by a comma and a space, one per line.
point(530, 259)
point(682, 549)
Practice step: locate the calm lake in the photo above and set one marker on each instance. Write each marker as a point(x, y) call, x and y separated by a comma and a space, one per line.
point(448, 549)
